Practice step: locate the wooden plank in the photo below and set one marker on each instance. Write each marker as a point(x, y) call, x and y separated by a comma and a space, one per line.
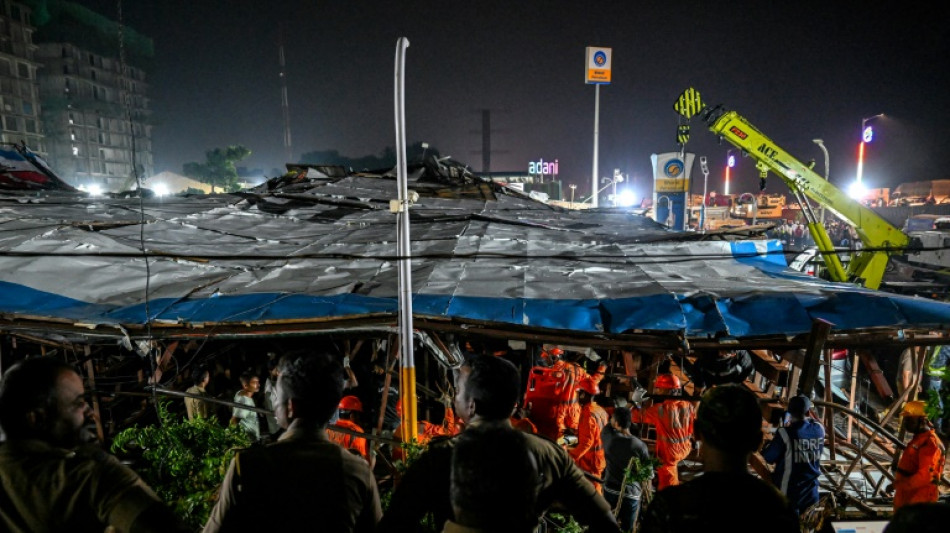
point(820, 330)
point(876, 374)
point(772, 409)
point(91, 371)
point(775, 370)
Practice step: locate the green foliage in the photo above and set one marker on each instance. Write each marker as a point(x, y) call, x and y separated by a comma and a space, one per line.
point(562, 523)
point(638, 472)
point(932, 409)
point(218, 170)
point(933, 397)
point(184, 461)
point(410, 452)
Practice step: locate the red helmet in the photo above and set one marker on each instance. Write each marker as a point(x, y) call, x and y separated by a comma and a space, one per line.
point(666, 381)
point(589, 386)
point(556, 352)
point(350, 403)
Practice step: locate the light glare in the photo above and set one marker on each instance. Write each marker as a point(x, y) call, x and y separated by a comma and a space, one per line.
point(857, 190)
point(626, 198)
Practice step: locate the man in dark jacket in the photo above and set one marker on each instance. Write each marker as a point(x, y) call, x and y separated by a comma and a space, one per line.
point(795, 450)
point(487, 391)
point(274, 487)
point(729, 428)
point(620, 448)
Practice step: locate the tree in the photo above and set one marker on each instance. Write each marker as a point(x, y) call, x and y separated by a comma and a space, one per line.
point(218, 170)
point(184, 461)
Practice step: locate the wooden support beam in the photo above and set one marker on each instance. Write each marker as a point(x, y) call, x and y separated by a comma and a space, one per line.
point(829, 419)
point(816, 343)
point(772, 409)
point(91, 377)
point(163, 362)
point(775, 370)
point(876, 374)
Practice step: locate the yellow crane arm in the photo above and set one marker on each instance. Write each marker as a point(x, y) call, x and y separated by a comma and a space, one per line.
point(879, 238)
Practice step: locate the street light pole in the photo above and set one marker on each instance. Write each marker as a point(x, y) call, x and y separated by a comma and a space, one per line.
point(821, 144)
point(618, 177)
point(730, 162)
point(572, 195)
point(865, 138)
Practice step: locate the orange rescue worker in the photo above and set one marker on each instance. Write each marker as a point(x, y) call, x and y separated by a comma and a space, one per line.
point(519, 420)
point(589, 451)
point(673, 419)
point(427, 430)
point(350, 409)
point(918, 472)
point(569, 411)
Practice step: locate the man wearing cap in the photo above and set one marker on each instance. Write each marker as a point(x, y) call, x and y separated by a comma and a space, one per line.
point(589, 451)
point(921, 465)
point(673, 418)
point(796, 450)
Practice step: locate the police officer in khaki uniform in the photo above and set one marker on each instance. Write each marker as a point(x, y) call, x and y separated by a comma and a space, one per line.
point(487, 392)
point(50, 480)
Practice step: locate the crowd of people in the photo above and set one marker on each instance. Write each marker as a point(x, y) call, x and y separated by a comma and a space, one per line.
point(795, 235)
point(478, 473)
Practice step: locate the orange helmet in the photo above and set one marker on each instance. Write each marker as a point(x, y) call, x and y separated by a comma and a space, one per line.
point(914, 408)
point(556, 352)
point(589, 386)
point(666, 381)
point(350, 403)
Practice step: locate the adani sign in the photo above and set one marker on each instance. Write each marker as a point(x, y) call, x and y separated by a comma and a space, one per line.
point(542, 167)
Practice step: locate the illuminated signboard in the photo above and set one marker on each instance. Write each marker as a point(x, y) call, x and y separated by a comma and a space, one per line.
point(598, 66)
point(673, 178)
point(543, 167)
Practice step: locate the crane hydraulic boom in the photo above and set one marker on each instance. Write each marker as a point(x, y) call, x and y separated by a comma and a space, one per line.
point(879, 238)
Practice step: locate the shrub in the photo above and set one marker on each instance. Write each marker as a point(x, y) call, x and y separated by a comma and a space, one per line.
point(184, 461)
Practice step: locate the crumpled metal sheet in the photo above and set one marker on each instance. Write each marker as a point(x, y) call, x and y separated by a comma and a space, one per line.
point(327, 249)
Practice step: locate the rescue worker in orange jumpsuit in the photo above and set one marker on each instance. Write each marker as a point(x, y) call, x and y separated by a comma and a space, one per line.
point(520, 420)
point(426, 430)
point(350, 408)
point(918, 473)
point(589, 451)
point(569, 411)
point(673, 419)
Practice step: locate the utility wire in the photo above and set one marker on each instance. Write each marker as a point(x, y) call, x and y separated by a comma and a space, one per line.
point(126, 86)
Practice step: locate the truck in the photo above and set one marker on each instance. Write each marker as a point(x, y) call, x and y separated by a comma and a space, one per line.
point(879, 238)
point(758, 206)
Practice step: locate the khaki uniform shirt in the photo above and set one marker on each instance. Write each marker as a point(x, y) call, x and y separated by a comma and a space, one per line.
point(195, 407)
point(425, 488)
point(302, 482)
point(43, 488)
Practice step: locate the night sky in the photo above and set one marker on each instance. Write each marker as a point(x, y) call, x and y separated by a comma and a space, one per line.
point(796, 70)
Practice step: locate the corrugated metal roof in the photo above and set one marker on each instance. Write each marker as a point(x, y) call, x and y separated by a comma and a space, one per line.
point(312, 249)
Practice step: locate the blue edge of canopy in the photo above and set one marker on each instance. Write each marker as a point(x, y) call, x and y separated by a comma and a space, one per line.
point(755, 314)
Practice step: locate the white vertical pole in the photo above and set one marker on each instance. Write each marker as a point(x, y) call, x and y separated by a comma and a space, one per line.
point(593, 178)
point(407, 364)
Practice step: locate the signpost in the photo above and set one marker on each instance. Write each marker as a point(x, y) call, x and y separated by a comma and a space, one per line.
point(597, 72)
